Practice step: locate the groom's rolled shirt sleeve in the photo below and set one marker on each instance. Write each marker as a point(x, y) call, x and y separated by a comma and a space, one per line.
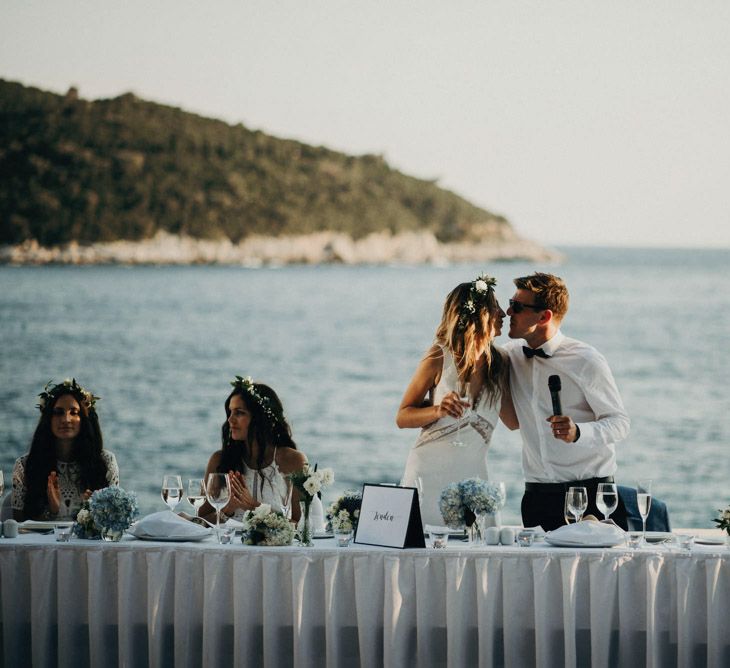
point(611, 422)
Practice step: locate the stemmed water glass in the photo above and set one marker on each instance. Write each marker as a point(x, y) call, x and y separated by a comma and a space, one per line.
point(643, 500)
point(569, 519)
point(196, 493)
point(606, 498)
point(172, 490)
point(217, 491)
point(577, 499)
point(464, 398)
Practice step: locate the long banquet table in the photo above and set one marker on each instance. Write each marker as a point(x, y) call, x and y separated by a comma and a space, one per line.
point(134, 603)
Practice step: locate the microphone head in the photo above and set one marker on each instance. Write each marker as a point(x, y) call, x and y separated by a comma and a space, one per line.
point(554, 383)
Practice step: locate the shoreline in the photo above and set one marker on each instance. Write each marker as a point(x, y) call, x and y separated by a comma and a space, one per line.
point(409, 248)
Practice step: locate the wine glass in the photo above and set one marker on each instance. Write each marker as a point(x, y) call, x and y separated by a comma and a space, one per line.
point(172, 490)
point(217, 491)
point(643, 500)
point(569, 519)
point(286, 497)
point(606, 498)
point(196, 493)
point(464, 398)
point(577, 498)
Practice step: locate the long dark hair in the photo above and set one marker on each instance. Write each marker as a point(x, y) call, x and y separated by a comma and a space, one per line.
point(41, 460)
point(268, 426)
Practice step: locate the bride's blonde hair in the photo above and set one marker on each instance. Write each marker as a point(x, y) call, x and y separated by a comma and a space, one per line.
point(467, 322)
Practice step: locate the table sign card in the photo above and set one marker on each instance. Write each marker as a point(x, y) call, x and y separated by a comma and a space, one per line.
point(390, 517)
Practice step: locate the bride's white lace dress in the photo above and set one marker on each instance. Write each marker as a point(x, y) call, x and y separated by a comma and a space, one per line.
point(433, 456)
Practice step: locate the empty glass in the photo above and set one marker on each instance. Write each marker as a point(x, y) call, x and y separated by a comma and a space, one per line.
point(577, 499)
point(218, 493)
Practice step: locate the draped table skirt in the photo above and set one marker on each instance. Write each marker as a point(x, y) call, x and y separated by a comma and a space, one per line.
point(136, 603)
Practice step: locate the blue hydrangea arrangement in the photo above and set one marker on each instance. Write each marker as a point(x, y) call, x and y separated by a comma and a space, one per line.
point(461, 501)
point(113, 509)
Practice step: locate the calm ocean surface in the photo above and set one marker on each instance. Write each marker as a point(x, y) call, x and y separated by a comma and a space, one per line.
point(339, 344)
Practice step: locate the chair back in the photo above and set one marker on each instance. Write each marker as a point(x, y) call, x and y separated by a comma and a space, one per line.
point(6, 512)
point(658, 518)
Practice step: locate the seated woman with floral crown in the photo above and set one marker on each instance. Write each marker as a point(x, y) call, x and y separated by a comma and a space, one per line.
point(66, 461)
point(257, 452)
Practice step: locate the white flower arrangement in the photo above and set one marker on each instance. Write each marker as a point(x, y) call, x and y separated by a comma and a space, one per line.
point(113, 509)
point(461, 501)
point(84, 526)
point(264, 526)
point(310, 482)
point(344, 513)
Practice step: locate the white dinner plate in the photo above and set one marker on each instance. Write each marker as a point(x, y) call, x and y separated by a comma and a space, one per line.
point(658, 536)
point(556, 542)
point(709, 540)
point(33, 525)
point(175, 539)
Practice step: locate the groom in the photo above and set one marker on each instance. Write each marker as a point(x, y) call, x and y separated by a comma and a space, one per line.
point(576, 448)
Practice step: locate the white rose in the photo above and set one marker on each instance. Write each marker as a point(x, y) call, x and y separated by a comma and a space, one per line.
point(83, 516)
point(480, 286)
point(262, 511)
point(327, 476)
point(312, 485)
point(726, 515)
point(356, 513)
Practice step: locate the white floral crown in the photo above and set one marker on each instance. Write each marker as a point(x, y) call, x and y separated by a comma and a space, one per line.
point(246, 386)
point(52, 392)
point(478, 298)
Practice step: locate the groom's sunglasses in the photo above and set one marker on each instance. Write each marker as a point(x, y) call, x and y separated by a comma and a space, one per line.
point(518, 307)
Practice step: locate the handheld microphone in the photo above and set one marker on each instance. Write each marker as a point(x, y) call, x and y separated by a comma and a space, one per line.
point(555, 386)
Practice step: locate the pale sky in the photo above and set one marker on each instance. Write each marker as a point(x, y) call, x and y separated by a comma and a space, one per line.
point(583, 122)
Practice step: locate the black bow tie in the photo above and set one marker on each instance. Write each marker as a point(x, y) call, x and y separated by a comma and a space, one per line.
point(532, 352)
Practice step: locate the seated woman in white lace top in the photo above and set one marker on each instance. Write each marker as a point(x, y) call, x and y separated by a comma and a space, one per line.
point(66, 461)
point(258, 452)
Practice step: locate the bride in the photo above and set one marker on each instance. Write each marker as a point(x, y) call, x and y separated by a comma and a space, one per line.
point(459, 390)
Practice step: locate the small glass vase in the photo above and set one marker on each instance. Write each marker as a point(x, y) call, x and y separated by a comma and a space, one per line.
point(305, 525)
point(111, 535)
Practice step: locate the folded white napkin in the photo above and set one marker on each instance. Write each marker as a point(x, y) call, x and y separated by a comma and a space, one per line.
point(165, 524)
point(587, 533)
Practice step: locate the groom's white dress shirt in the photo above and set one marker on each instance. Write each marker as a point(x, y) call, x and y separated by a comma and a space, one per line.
point(589, 396)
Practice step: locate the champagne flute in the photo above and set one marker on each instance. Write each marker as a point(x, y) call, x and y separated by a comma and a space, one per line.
point(643, 500)
point(217, 491)
point(286, 497)
point(606, 498)
point(196, 493)
point(172, 490)
point(464, 398)
point(577, 501)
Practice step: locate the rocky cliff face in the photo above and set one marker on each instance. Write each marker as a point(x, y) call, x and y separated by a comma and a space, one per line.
point(318, 248)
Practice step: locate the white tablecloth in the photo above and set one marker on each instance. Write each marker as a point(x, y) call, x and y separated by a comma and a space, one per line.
point(200, 604)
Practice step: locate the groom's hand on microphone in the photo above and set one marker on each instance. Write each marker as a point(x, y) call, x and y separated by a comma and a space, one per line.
point(563, 428)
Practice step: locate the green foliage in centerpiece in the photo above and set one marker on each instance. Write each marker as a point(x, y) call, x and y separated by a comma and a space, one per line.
point(344, 513)
point(723, 522)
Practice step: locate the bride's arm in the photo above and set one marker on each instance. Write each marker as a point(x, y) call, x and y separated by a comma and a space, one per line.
point(412, 412)
point(507, 412)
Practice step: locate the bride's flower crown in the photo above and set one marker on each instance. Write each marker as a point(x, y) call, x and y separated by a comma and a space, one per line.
point(247, 387)
point(478, 299)
point(52, 392)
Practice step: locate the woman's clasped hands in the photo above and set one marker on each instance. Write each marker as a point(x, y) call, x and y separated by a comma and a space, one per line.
point(241, 497)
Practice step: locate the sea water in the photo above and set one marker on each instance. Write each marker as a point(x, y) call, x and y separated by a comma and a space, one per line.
point(340, 343)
